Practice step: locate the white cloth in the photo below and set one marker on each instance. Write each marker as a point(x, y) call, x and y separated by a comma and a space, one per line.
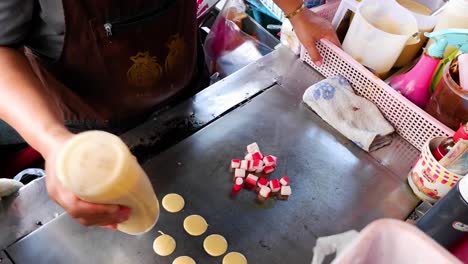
point(326, 246)
point(8, 187)
point(358, 119)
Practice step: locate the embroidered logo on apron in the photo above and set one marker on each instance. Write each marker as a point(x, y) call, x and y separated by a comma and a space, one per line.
point(176, 53)
point(145, 71)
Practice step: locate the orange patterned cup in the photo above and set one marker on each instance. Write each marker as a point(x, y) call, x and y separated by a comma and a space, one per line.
point(428, 179)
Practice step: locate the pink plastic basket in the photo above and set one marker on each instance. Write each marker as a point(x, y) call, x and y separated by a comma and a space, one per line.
point(326, 10)
point(410, 122)
point(273, 8)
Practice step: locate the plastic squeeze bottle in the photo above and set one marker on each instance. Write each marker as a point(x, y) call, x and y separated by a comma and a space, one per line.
point(99, 168)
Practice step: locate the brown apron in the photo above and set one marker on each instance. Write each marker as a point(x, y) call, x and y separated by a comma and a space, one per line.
point(120, 59)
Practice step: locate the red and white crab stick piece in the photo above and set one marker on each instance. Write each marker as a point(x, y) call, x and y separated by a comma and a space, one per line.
point(270, 161)
point(284, 181)
point(259, 168)
point(263, 194)
point(245, 164)
point(248, 156)
point(252, 167)
point(276, 159)
point(268, 169)
point(262, 182)
point(256, 166)
point(275, 185)
point(257, 155)
point(253, 148)
point(239, 182)
point(235, 164)
point(239, 173)
point(257, 163)
point(251, 181)
point(285, 192)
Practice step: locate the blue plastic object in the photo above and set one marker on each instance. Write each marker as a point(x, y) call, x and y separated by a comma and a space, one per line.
point(457, 38)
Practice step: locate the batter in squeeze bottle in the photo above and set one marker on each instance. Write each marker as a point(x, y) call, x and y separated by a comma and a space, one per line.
point(99, 168)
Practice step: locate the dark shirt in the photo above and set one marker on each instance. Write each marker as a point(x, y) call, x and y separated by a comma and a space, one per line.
point(37, 24)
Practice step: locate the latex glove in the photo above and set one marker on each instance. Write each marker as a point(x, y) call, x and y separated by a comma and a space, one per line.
point(310, 28)
point(8, 187)
point(328, 245)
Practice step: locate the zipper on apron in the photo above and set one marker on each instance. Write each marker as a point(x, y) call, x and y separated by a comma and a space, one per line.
point(138, 18)
point(108, 29)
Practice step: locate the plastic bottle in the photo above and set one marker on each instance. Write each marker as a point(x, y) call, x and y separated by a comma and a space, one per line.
point(414, 84)
point(99, 168)
point(454, 15)
point(447, 221)
point(443, 149)
point(446, 145)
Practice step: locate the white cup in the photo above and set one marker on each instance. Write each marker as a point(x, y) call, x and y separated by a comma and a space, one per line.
point(378, 33)
point(426, 23)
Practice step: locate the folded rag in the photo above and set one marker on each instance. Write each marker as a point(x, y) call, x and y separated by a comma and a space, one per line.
point(358, 119)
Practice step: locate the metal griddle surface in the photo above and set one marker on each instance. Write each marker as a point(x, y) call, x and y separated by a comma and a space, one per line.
point(336, 187)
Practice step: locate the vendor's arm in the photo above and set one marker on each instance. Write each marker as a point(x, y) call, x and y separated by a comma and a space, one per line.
point(309, 27)
point(24, 105)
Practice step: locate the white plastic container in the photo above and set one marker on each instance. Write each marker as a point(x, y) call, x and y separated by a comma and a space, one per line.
point(421, 10)
point(99, 168)
point(454, 15)
point(379, 32)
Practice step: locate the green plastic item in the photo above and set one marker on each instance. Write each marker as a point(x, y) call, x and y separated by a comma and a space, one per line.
point(440, 70)
point(454, 37)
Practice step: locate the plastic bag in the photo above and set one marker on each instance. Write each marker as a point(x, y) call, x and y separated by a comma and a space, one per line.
point(227, 47)
point(389, 241)
point(204, 6)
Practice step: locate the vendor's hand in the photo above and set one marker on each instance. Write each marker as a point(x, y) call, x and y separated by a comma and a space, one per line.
point(85, 213)
point(310, 28)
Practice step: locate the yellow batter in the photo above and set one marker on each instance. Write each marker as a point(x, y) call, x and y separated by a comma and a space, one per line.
point(215, 245)
point(184, 260)
point(234, 258)
point(173, 203)
point(164, 245)
point(195, 225)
